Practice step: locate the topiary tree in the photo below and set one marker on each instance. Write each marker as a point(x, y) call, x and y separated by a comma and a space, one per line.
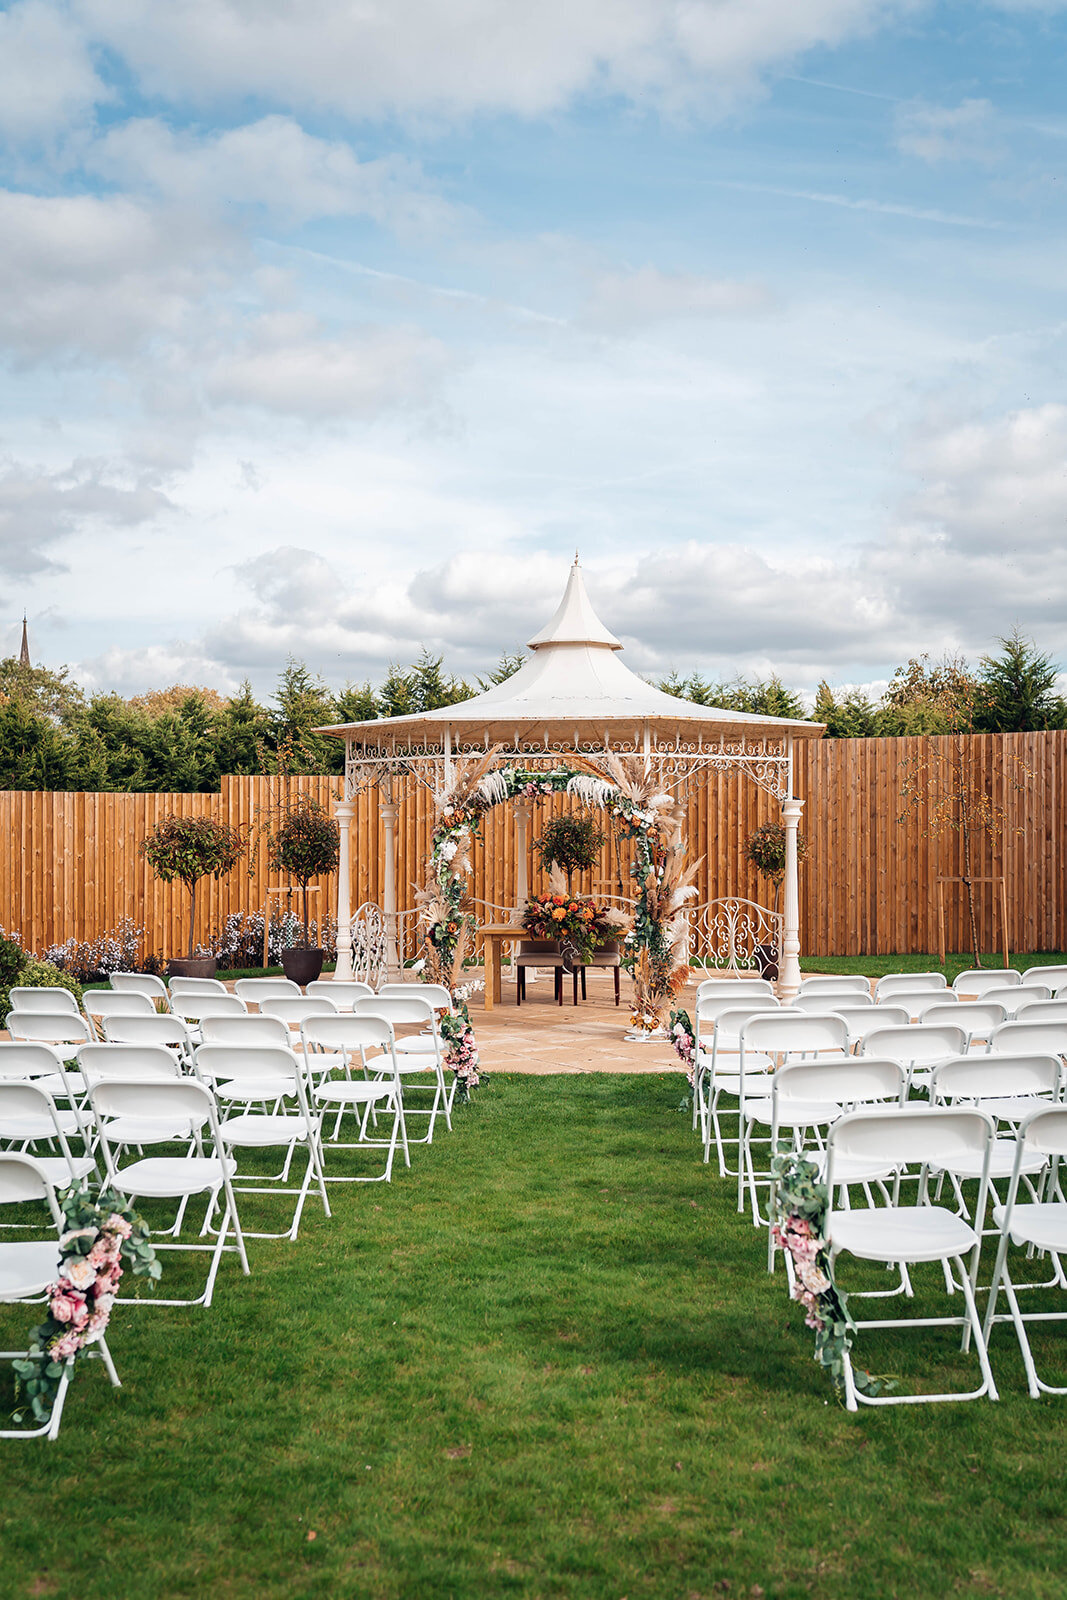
point(190, 848)
point(765, 849)
point(570, 842)
point(306, 844)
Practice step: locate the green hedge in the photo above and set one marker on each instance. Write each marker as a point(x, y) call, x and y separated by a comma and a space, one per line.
point(18, 969)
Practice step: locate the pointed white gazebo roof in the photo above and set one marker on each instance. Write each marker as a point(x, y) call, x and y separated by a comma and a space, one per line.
point(574, 690)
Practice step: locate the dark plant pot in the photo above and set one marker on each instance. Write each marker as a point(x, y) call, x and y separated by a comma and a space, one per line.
point(192, 967)
point(767, 961)
point(302, 964)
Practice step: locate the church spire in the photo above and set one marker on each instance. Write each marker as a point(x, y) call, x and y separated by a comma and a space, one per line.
point(24, 653)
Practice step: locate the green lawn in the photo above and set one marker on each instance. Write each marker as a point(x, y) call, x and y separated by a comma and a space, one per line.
point(546, 1362)
point(876, 966)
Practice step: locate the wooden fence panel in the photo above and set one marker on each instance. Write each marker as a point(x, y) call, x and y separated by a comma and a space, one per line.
point(71, 866)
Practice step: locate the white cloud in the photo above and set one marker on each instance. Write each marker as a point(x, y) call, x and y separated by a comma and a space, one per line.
point(85, 276)
point(456, 57)
point(287, 365)
point(948, 133)
point(47, 79)
point(998, 488)
point(272, 164)
point(622, 300)
point(38, 509)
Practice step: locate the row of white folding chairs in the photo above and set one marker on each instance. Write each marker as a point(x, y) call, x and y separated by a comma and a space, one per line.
point(750, 1039)
point(133, 1094)
point(918, 1052)
point(265, 1072)
point(225, 1018)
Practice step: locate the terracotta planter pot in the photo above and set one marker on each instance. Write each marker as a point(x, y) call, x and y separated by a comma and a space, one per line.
point(302, 964)
point(192, 967)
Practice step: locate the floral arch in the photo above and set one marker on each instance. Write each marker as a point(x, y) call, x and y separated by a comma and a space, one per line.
point(625, 787)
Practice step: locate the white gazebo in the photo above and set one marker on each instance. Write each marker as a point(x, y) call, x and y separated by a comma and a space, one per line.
point(574, 695)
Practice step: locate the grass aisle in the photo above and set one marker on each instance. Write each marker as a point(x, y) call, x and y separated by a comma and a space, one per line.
point(547, 1362)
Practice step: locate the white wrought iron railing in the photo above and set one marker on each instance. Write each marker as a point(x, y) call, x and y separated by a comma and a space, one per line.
point(369, 944)
point(724, 934)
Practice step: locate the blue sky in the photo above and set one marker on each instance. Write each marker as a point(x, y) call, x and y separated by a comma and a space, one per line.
point(334, 334)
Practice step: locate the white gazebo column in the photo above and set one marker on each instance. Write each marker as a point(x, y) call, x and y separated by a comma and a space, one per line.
point(789, 962)
point(523, 810)
point(343, 812)
point(389, 810)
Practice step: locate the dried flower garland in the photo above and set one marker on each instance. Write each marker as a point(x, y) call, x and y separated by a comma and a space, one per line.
point(102, 1234)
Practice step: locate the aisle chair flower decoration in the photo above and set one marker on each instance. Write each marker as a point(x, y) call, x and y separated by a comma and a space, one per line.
point(799, 1204)
point(103, 1235)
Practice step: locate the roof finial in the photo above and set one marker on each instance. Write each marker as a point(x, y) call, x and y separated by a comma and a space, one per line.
point(576, 558)
point(24, 653)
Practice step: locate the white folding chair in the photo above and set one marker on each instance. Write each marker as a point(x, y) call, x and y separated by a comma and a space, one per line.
point(1054, 976)
point(161, 1105)
point(196, 986)
point(828, 1002)
point(193, 1007)
point(62, 1031)
point(977, 1018)
point(1020, 998)
point(1030, 1038)
point(342, 994)
point(29, 1116)
point(895, 983)
point(429, 1042)
point(346, 1034)
point(414, 1012)
point(35, 1062)
point(111, 1063)
point(815, 1092)
point(292, 1010)
point(193, 1004)
point(28, 1267)
point(241, 1074)
point(783, 1036)
point(974, 982)
point(1037, 1226)
point(740, 990)
point(918, 1048)
point(906, 1235)
point(916, 1001)
point(174, 1033)
point(141, 983)
point(99, 1004)
point(862, 1020)
point(253, 990)
point(250, 1030)
point(716, 1065)
point(836, 983)
point(1006, 1088)
point(49, 1001)
point(1043, 1011)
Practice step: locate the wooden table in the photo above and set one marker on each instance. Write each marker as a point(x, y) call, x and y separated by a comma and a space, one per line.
point(495, 935)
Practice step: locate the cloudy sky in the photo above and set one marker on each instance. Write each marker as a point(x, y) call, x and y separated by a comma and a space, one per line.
point(333, 329)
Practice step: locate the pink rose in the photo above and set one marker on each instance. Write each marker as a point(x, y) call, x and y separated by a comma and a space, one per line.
point(68, 1345)
point(66, 1305)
